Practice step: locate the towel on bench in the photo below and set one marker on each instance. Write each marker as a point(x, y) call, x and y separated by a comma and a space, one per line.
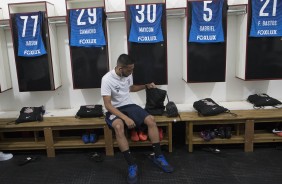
point(262, 100)
point(29, 114)
point(90, 111)
point(207, 107)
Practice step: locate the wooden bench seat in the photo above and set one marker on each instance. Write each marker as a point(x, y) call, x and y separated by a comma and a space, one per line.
point(63, 119)
point(51, 142)
point(245, 118)
point(46, 136)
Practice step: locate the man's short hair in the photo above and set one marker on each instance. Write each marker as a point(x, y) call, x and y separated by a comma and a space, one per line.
point(124, 60)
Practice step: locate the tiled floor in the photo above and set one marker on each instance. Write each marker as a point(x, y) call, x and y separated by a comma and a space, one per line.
point(230, 166)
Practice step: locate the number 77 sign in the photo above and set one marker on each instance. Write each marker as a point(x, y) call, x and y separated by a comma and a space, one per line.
point(30, 41)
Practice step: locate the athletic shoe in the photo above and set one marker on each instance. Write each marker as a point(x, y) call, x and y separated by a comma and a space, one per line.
point(161, 134)
point(212, 134)
point(142, 136)
point(85, 138)
point(276, 130)
point(5, 156)
point(132, 177)
point(27, 160)
point(93, 138)
point(161, 162)
point(221, 132)
point(134, 136)
point(228, 133)
point(205, 135)
point(279, 133)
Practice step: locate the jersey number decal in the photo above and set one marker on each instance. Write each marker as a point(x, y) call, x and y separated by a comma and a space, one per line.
point(141, 8)
point(261, 12)
point(92, 19)
point(207, 17)
point(25, 18)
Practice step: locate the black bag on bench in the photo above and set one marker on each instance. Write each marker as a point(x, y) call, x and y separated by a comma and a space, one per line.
point(155, 101)
point(29, 114)
point(90, 111)
point(262, 100)
point(171, 109)
point(207, 107)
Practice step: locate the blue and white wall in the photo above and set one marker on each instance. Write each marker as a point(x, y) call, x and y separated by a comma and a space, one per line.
point(233, 89)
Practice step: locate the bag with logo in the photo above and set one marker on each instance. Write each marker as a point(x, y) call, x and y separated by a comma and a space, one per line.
point(207, 107)
point(90, 111)
point(171, 109)
point(29, 114)
point(262, 100)
point(155, 101)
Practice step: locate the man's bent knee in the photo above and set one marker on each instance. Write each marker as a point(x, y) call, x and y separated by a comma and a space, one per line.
point(150, 121)
point(118, 126)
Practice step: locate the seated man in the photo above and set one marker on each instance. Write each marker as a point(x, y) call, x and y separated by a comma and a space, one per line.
point(115, 88)
point(5, 156)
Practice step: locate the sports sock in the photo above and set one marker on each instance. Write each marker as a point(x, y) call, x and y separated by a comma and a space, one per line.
point(128, 157)
point(157, 149)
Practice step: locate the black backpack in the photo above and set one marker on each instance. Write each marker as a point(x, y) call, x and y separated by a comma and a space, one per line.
point(171, 109)
point(262, 100)
point(155, 101)
point(207, 107)
point(90, 111)
point(29, 114)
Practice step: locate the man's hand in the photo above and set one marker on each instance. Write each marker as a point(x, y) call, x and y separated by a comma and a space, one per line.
point(151, 85)
point(130, 123)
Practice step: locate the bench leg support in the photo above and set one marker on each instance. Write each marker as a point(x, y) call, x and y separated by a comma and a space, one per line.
point(109, 141)
point(49, 142)
point(249, 136)
point(170, 137)
point(189, 136)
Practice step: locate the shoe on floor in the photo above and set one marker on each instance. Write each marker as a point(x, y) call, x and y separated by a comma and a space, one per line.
point(27, 160)
point(134, 136)
point(161, 162)
point(142, 136)
point(96, 157)
point(132, 177)
point(5, 156)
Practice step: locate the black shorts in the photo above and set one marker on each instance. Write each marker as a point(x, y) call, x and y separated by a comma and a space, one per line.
point(133, 111)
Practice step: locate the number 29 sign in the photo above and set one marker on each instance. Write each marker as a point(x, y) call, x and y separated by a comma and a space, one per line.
point(87, 28)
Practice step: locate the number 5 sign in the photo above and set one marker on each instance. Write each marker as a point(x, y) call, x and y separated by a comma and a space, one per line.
point(206, 22)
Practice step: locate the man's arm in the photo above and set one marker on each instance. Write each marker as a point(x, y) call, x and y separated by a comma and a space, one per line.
point(135, 88)
point(108, 105)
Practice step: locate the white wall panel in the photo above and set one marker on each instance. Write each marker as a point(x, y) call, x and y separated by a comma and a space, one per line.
point(176, 4)
point(233, 89)
point(115, 6)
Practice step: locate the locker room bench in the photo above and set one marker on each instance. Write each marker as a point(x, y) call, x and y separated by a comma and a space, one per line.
point(46, 133)
point(244, 132)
